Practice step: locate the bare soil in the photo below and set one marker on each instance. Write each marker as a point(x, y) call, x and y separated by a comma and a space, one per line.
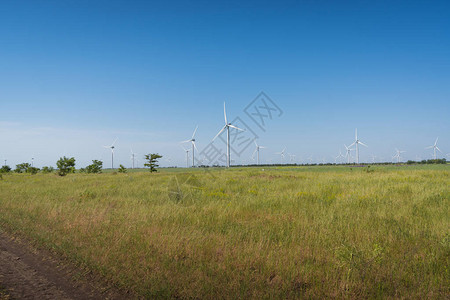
point(30, 273)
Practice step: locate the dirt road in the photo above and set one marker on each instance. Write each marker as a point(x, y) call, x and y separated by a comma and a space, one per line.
point(27, 273)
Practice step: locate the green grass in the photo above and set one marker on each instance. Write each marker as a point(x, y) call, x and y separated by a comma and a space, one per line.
point(287, 232)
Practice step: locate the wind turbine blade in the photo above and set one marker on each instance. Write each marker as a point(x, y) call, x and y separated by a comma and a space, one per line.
point(187, 141)
point(429, 147)
point(194, 132)
point(223, 128)
point(356, 134)
point(107, 147)
point(438, 149)
point(255, 143)
point(254, 152)
point(262, 147)
point(232, 126)
point(114, 141)
point(436, 141)
point(363, 144)
point(225, 113)
point(193, 143)
point(352, 144)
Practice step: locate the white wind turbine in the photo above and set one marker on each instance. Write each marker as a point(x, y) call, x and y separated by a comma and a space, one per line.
point(340, 156)
point(112, 152)
point(397, 155)
point(434, 148)
point(257, 152)
point(357, 142)
point(132, 156)
point(192, 140)
point(291, 157)
point(282, 154)
point(187, 156)
point(227, 128)
point(347, 153)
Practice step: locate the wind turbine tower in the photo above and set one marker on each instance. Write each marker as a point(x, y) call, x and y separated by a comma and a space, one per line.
point(257, 152)
point(112, 152)
point(192, 140)
point(227, 128)
point(357, 142)
point(434, 148)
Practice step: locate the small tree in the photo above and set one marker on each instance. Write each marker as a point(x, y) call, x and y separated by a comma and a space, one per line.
point(21, 168)
point(122, 169)
point(95, 167)
point(152, 161)
point(46, 169)
point(65, 165)
point(5, 169)
point(33, 170)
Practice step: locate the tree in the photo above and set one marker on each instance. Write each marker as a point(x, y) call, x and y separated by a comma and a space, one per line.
point(46, 169)
point(65, 165)
point(21, 168)
point(122, 169)
point(95, 167)
point(5, 169)
point(152, 161)
point(33, 170)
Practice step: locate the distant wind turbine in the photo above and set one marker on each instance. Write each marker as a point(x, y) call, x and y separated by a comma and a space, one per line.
point(187, 156)
point(192, 140)
point(257, 152)
point(132, 156)
point(340, 156)
point(112, 152)
point(227, 128)
point(356, 143)
point(282, 154)
point(435, 147)
point(347, 153)
point(397, 155)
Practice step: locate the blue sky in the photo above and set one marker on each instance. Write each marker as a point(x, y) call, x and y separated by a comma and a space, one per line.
point(74, 75)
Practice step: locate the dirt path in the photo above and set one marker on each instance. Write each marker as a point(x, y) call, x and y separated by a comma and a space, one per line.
point(27, 273)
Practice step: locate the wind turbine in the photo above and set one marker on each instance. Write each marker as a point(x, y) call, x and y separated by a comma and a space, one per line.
point(339, 156)
point(397, 155)
point(132, 156)
point(347, 154)
point(257, 152)
point(291, 157)
point(112, 152)
point(187, 156)
point(282, 154)
point(227, 127)
point(192, 140)
point(357, 142)
point(434, 148)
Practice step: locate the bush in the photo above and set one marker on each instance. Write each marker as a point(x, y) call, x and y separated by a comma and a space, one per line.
point(152, 161)
point(33, 170)
point(46, 170)
point(5, 169)
point(95, 167)
point(122, 169)
point(21, 168)
point(65, 166)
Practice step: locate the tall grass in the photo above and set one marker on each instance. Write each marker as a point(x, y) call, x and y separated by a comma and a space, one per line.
point(246, 233)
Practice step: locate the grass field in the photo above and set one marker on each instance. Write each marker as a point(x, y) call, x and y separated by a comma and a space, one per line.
point(289, 232)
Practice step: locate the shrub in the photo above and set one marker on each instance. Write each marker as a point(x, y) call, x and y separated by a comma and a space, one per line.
point(21, 168)
point(152, 161)
point(33, 170)
point(5, 169)
point(65, 166)
point(46, 169)
point(122, 169)
point(95, 167)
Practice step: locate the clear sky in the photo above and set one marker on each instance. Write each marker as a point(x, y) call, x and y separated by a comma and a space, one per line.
point(74, 75)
